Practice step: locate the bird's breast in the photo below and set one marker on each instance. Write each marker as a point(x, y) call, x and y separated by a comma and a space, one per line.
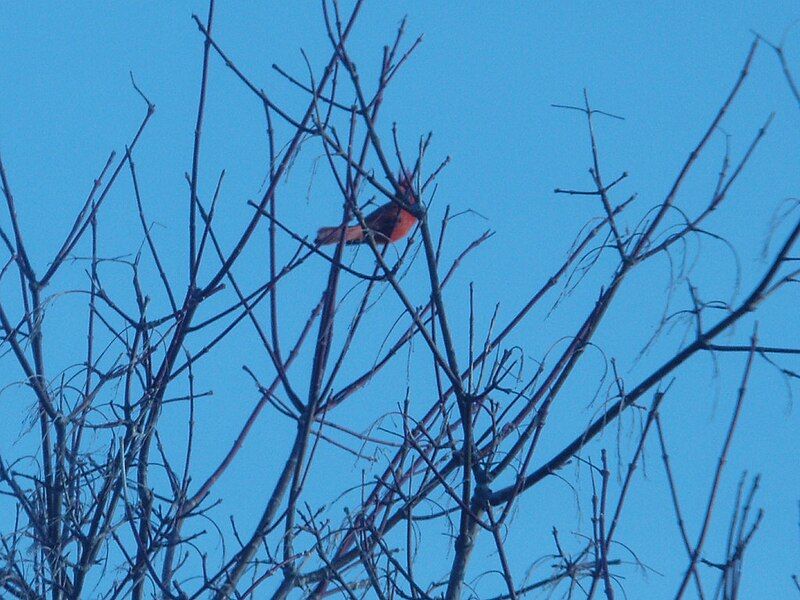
point(405, 222)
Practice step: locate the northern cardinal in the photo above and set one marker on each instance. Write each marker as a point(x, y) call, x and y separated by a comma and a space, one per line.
point(387, 223)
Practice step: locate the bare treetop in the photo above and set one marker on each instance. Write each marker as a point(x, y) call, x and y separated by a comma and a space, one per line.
point(404, 437)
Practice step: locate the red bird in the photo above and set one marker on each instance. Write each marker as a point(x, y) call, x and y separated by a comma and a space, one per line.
point(387, 223)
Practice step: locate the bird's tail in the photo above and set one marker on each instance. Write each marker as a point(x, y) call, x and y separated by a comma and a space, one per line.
point(332, 235)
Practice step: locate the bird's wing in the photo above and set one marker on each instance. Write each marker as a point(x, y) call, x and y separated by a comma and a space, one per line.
point(383, 220)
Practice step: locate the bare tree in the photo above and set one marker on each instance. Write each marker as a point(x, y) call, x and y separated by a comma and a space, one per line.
point(109, 501)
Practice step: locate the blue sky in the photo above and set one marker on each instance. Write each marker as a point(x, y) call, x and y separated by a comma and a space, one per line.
point(483, 82)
